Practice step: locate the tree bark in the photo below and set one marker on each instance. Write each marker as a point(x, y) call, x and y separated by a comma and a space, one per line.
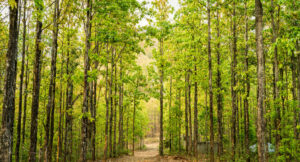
point(8, 112)
point(25, 100)
point(106, 104)
point(294, 85)
point(133, 118)
point(170, 105)
point(49, 128)
point(115, 114)
point(275, 77)
point(186, 115)
point(17, 151)
point(85, 109)
point(69, 107)
point(161, 101)
point(111, 103)
point(219, 95)
point(196, 113)
point(190, 114)
point(121, 138)
point(36, 85)
point(233, 85)
point(210, 87)
point(246, 102)
point(260, 78)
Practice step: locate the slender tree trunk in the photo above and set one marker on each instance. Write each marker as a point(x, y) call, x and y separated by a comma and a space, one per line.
point(210, 88)
point(170, 105)
point(36, 86)
point(68, 120)
point(275, 74)
point(233, 85)
point(196, 113)
point(69, 107)
point(186, 115)
point(25, 100)
point(8, 112)
point(261, 78)
point(17, 151)
point(298, 123)
point(107, 105)
point(121, 138)
point(49, 128)
point(111, 103)
point(190, 115)
point(246, 102)
point(133, 118)
point(161, 101)
point(294, 85)
point(85, 109)
point(94, 121)
point(219, 95)
point(179, 119)
point(59, 139)
point(115, 114)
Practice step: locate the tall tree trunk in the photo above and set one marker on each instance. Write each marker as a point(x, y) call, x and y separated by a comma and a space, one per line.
point(161, 101)
point(61, 105)
point(233, 85)
point(179, 119)
point(25, 99)
point(298, 123)
point(261, 78)
point(190, 114)
point(219, 95)
point(94, 121)
point(17, 151)
point(111, 103)
point(294, 85)
point(8, 112)
point(121, 138)
point(85, 122)
point(133, 118)
point(275, 77)
point(210, 87)
point(49, 128)
point(106, 104)
point(59, 139)
point(196, 112)
point(36, 84)
point(246, 102)
point(115, 114)
point(186, 115)
point(69, 107)
point(170, 105)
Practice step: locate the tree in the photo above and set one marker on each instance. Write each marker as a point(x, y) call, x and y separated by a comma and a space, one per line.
point(39, 5)
point(247, 87)
point(260, 81)
point(210, 86)
point(219, 86)
point(85, 107)
point(17, 150)
point(8, 113)
point(49, 128)
point(233, 86)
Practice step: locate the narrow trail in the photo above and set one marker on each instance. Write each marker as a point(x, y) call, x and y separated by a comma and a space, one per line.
point(149, 154)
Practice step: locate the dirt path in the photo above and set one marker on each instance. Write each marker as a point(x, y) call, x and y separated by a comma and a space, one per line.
point(149, 154)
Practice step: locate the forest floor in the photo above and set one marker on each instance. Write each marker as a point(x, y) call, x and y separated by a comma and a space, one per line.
point(149, 154)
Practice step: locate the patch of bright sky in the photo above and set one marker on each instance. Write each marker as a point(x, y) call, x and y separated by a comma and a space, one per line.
point(174, 3)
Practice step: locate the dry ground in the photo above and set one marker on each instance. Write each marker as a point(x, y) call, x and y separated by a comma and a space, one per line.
point(150, 154)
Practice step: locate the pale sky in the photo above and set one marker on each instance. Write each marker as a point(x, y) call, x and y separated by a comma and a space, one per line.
point(173, 3)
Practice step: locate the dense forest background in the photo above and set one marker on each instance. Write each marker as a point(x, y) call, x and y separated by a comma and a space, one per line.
point(92, 79)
